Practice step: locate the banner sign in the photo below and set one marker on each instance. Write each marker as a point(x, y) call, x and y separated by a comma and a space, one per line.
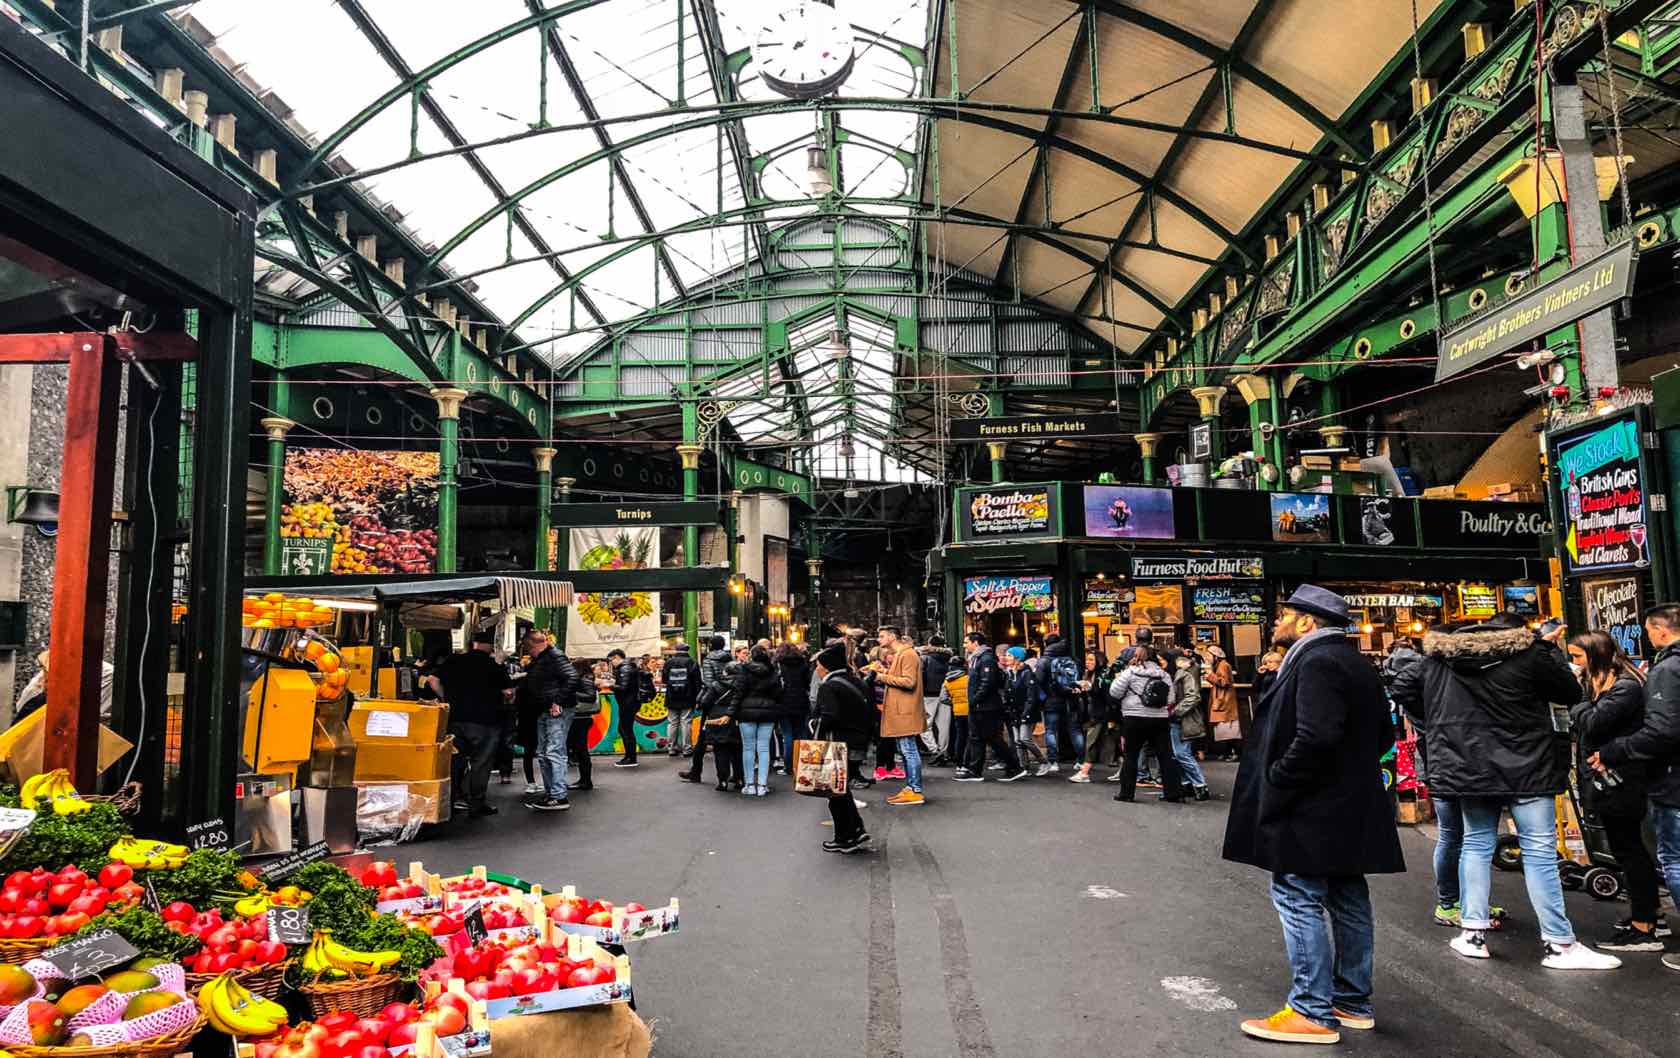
point(984, 595)
point(1013, 427)
point(1603, 499)
point(1301, 517)
point(1127, 512)
point(1105, 598)
point(627, 620)
point(1025, 511)
point(616, 514)
point(1237, 604)
point(1203, 567)
point(377, 511)
point(1591, 285)
point(1491, 524)
point(1159, 604)
point(1613, 606)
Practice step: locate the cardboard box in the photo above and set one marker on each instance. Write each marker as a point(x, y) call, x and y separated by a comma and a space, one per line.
point(390, 722)
point(382, 762)
point(358, 662)
point(1410, 812)
point(23, 746)
point(1442, 492)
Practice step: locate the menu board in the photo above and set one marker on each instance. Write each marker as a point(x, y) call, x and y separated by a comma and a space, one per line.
point(984, 595)
point(1106, 598)
point(1025, 511)
point(1613, 606)
point(1478, 600)
point(1603, 486)
point(1233, 603)
point(1523, 599)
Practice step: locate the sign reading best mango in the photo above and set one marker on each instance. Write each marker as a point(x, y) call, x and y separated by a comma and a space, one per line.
point(1592, 285)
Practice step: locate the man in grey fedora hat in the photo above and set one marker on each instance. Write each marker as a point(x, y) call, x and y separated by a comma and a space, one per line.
point(1309, 807)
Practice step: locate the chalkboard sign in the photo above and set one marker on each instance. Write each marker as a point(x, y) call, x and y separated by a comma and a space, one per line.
point(16, 819)
point(150, 898)
point(473, 922)
point(286, 866)
point(288, 925)
point(1236, 603)
point(210, 834)
point(93, 954)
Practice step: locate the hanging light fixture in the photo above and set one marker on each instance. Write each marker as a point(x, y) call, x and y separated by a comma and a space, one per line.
point(816, 171)
point(839, 345)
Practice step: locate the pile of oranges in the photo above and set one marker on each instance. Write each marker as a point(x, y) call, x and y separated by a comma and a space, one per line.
point(278, 610)
point(334, 677)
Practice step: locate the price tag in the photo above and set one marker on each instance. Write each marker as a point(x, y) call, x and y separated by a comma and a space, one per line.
point(289, 925)
point(286, 866)
point(93, 954)
point(210, 834)
point(16, 819)
point(150, 898)
point(473, 923)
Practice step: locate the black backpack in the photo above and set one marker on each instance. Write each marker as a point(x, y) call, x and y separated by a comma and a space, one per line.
point(1157, 693)
point(676, 677)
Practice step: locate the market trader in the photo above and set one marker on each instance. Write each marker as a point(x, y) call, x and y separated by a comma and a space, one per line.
point(627, 693)
point(475, 685)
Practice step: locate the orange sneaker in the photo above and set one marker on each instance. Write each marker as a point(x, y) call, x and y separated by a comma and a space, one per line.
point(1286, 1026)
point(1354, 1021)
point(906, 796)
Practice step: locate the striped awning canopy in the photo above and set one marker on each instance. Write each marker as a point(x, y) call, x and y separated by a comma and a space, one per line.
point(525, 591)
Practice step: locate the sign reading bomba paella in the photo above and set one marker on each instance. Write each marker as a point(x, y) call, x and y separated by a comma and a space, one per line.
point(1603, 498)
point(984, 595)
point(1029, 510)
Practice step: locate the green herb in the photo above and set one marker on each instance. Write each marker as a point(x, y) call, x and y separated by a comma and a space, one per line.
point(146, 931)
point(205, 879)
point(389, 933)
point(318, 875)
point(340, 904)
point(52, 841)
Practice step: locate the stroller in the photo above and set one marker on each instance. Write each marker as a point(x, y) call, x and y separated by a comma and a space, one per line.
point(1584, 857)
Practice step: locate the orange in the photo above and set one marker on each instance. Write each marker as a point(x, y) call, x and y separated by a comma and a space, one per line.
point(327, 663)
point(274, 596)
point(313, 649)
point(337, 679)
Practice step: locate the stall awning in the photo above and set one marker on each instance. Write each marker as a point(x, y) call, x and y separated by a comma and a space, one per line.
point(510, 591)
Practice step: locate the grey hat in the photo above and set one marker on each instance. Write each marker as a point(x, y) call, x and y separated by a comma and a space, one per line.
point(1321, 603)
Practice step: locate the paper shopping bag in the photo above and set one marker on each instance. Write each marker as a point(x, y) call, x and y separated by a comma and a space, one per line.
point(819, 768)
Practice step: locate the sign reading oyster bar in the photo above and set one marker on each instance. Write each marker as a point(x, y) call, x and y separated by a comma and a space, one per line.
point(1603, 498)
point(1012, 512)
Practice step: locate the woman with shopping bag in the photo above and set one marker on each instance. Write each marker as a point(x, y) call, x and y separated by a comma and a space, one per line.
point(845, 721)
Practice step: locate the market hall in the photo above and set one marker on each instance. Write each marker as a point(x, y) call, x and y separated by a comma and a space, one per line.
point(448, 440)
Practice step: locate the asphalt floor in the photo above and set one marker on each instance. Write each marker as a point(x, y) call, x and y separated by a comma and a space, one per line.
point(1038, 918)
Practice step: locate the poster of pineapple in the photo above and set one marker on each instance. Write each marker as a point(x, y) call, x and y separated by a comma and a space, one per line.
point(378, 508)
point(602, 621)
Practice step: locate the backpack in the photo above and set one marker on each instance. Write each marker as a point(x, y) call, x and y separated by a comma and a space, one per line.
point(1065, 673)
point(1157, 693)
point(676, 678)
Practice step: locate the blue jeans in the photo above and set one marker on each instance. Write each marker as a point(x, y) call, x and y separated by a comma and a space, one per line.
point(1326, 976)
point(755, 752)
point(1056, 724)
point(792, 731)
point(551, 751)
point(911, 747)
point(1449, 845)
point(1186, 757)
point(1536, 819)
point(1666, 820)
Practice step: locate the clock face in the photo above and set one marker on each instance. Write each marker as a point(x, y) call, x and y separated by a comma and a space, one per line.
point(805, 52)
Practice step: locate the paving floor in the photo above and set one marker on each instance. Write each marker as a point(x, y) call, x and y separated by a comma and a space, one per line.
point(1032, 919)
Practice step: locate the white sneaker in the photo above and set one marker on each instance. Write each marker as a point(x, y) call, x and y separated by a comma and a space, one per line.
point(860, 802)
point(1472, 944)
point(1079, 776)
point(1114, 778)
point(1045, 769)
point(533, 788)
point(1577, 957)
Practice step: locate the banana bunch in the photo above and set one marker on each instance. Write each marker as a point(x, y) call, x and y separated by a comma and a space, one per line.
point(251, 906)
point(326, 956)
point(236, 1010)
point(147, 852)
point(55, 787)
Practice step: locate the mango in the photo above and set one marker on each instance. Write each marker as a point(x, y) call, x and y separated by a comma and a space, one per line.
point(46, 1023)
point(15, 984)
point(131, 981)
point(80, 998)
point(54, 987)
point(150, 1003)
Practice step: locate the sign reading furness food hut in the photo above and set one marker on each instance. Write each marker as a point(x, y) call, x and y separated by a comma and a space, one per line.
point(1193, 567)
point(1602, 480)
point(1027, 510)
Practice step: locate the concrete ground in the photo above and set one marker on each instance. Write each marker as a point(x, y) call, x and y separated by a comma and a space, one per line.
point(1018, 921)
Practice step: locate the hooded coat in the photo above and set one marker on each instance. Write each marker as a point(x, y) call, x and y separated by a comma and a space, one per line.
point(795, 673)
point(760, 691)
point(1482, 697)
point(1309, 795)
point(1656, 743)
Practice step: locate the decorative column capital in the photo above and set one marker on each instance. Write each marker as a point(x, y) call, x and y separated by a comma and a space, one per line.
point(449, 401)
point(690, 456)
point(277, 427)
point(1254, 388)
point(813, 566)
point(1207, 400)
point(735, 499)
point(996, 450)
point(1147, 442)
point(544, 458)
point(1333, 435)
point(564, 484)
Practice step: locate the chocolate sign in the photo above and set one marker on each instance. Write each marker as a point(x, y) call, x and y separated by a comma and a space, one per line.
point(1613, 607)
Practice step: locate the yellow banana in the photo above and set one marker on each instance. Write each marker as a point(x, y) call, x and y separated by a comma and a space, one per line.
point(356, 962)
point(315, 961)
point(253, 905)
point(237, 1011)
point(32, 788)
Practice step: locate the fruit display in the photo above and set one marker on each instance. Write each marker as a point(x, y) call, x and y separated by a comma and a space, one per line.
point(378, 508)
point(225, 944)
point(394, 550)
point(147, 853)
point(503, 979)
point(54, 788)
point(233, 1009)
point(327, 959)
point(41, 903)
point(606, 923)
point(344, 1034)
point(144, 1001)
point(278, 610)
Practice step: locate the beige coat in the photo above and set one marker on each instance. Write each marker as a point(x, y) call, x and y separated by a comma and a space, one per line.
point(903, 714)
point(1222, 693)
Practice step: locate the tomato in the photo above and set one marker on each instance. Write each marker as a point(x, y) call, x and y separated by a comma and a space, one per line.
point(113, 875)
point(271, 951)
point(179, 911)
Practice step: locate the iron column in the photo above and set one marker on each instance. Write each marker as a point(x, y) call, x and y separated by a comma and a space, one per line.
point(449, 425)
point(275, 501)
point(1147, 443)
point(689, 453)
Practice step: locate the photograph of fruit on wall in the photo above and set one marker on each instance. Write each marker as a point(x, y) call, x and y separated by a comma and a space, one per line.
point(603, 621)
point(376, 510)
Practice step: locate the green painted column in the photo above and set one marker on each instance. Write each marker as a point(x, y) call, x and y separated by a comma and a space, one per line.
point(689, 453)
point(1147, 444)
point(814, 567)
point(563, 553)
point(544, 458)
point(275, 500)
point(449, 454)
point(732, 555)
point(996, 450)
point(1256, 392)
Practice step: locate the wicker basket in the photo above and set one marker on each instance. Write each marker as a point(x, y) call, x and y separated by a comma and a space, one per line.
point(126, 800)
point(165, 1046)
point(265, 981)
point(22, 949)
point(363, 996)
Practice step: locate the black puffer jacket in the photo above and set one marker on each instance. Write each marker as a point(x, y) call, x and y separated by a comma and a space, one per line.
point(985, 682)
point(627, 684)
point(550, 679)
point(1049, 692)
point(1618, 712)
point(795, 673)
point(1482, 698)
point(1657, 742)
point(760, 692)
point(714, 676)
point(843, 713)
point(936, 662)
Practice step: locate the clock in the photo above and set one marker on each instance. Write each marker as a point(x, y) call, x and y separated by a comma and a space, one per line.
point(805, 52)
